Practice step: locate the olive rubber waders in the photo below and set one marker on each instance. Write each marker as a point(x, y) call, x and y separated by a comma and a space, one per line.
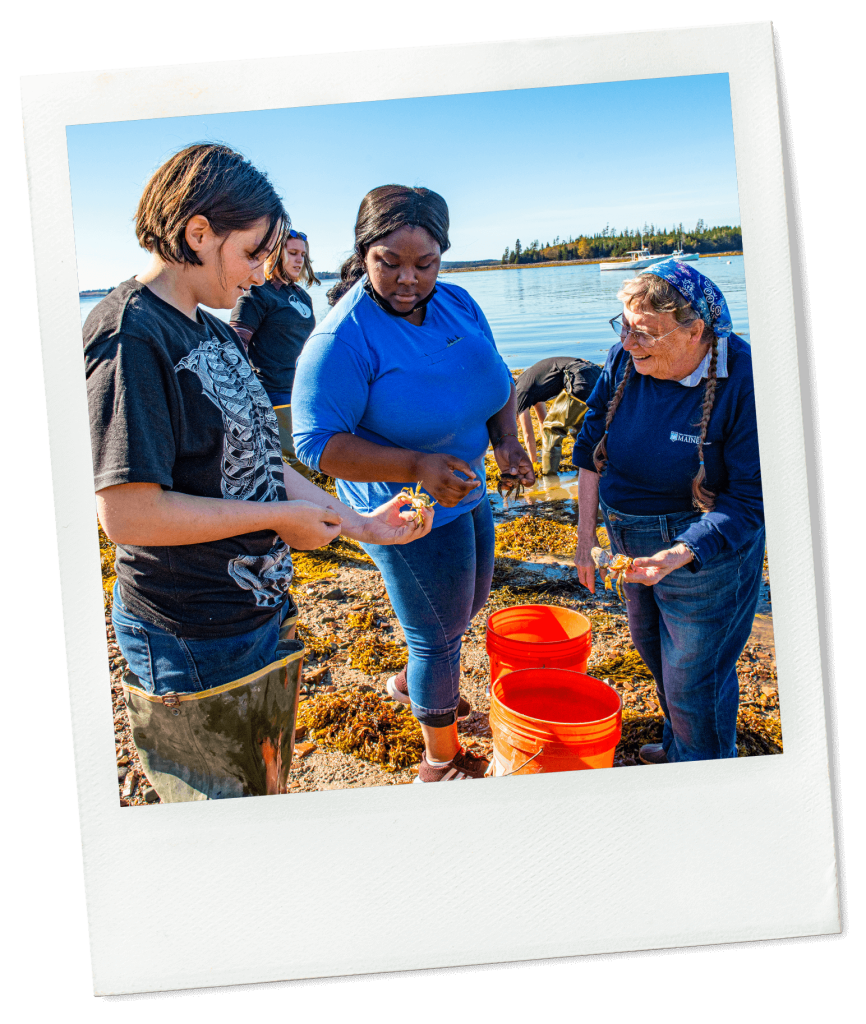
point(284, 419)
point(234, 740)
point(566, 414)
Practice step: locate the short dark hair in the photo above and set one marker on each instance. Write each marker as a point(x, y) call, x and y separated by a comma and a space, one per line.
point(387, 209)
point(216, 182)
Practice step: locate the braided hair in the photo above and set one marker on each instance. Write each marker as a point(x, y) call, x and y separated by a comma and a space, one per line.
point(661, 297)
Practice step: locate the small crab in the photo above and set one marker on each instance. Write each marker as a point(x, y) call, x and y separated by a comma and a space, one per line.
point(418, 500)
point(615, 568)
point(508, 483)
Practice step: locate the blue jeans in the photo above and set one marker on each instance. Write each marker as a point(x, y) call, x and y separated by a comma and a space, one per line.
point(167, 663)
point(437, 585)
point(690, 629)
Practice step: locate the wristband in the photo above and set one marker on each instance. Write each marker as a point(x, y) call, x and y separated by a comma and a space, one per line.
point(501, 438)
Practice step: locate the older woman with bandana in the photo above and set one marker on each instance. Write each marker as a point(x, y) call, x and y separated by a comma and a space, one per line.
point(669, 448)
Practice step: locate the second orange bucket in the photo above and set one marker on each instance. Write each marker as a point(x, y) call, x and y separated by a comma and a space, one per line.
point(537, 636)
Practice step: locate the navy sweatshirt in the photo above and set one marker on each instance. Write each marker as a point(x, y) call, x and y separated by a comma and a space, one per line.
point(652, 451)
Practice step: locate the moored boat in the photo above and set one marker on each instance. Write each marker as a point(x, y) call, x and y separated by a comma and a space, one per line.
point(640, 258)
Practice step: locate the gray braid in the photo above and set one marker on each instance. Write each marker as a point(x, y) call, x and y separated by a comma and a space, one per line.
point(702, 497)
point(599, 455)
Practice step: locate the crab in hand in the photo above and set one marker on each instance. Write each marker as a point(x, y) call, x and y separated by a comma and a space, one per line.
point(613, 568)
point(418, 500)
point(509, 485)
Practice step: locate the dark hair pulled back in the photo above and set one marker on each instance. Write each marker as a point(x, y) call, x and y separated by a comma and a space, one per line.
point(384, 210)
point(213, 181)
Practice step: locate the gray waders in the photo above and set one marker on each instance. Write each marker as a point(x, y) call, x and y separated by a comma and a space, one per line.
point(284, 419)
point(565, 415)
point(234, 740)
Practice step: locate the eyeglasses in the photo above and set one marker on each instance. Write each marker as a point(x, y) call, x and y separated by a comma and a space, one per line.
point(623, 330)
point(297, 234)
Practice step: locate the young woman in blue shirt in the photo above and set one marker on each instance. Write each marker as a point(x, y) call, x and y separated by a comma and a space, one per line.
point(402, 384)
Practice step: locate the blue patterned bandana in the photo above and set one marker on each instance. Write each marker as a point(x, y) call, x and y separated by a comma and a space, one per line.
point(704, 296)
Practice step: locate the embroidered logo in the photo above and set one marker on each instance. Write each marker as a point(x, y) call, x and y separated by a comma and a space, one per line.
point(689, 438)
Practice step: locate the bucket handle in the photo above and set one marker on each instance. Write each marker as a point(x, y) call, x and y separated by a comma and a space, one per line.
point(538, 753)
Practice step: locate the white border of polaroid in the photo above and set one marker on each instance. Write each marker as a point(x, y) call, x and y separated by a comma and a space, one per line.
point(403, 877)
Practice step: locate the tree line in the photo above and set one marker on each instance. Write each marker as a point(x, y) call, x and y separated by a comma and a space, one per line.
point(612, 243)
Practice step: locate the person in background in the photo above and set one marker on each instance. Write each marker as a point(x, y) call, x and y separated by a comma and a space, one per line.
point(191, 488)
point(669, 447)
point(402, 384)
point(273, 320)
point(570, 381)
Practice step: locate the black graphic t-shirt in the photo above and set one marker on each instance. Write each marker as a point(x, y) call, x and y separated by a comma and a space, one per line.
point(281, 319)
point(174, 401)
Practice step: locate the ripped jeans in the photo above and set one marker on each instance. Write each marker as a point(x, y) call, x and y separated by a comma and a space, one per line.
point(690, 629)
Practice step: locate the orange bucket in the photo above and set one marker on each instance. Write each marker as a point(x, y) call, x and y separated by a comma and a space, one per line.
point(537, 636)
point(553, 720)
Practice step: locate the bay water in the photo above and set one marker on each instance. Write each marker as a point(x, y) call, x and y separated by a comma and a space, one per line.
point(539, 311)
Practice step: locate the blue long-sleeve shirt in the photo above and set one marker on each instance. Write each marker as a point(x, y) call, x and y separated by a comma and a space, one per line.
point(429, 389)
point(652, 450)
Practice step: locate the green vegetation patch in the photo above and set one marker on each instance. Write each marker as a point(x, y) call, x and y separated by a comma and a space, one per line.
point(366, 724)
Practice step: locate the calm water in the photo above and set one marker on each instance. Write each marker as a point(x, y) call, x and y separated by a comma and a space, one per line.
point(547, 311)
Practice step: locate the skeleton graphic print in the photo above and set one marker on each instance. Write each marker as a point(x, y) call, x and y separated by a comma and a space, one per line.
point(252, 465)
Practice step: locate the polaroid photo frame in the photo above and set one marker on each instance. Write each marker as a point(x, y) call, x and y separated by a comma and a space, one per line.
point(213, 887)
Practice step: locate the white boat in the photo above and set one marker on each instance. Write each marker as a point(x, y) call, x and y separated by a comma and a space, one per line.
point(678, 254)
point(640, 258)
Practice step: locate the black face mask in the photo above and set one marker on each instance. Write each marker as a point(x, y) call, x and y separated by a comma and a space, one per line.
point(384, 304)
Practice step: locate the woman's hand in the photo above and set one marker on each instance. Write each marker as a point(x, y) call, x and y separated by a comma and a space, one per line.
point(388, 525)
point(304, 526)
point(437, 475)
point(513, 460)
point(583, 560)
point(652, 568)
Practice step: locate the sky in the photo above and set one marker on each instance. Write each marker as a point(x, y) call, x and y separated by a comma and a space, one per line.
point(528, 164)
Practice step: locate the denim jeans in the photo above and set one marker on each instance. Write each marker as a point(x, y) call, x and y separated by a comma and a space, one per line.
point(437, 585)
point(690, 629)
point(167, 663)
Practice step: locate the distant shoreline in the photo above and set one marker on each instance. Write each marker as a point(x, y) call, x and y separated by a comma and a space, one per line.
point(564, 263)
point(94, 292)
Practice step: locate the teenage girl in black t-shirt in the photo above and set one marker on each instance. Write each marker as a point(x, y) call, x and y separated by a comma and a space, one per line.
point(274, 320)
point(191, 487)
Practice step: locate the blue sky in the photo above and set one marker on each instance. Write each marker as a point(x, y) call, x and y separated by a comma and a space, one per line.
point(530, 163)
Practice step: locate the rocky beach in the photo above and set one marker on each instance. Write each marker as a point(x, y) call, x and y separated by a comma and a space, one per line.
point(349, 734)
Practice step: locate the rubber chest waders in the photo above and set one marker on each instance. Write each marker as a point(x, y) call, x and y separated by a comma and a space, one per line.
point(234, 740)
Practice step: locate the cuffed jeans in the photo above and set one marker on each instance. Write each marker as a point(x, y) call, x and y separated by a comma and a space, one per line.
point(690, 629)
point(437, 585)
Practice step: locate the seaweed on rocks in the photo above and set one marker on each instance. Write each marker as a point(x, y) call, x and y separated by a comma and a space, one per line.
point(366, 724)
point(361, 620)
point(106, 561)
point(371, 654)
point(629, 665)
point(316, 646)
point(529, 534)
